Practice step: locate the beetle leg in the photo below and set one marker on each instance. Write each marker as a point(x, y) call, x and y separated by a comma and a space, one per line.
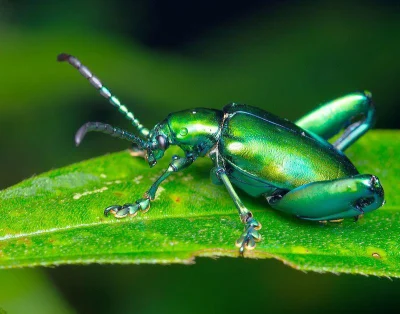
point(250, 235)
point(355, 113)
point(143, 204)
point(333, 199)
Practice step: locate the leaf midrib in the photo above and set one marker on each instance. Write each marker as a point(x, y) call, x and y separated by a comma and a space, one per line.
point(113, 221)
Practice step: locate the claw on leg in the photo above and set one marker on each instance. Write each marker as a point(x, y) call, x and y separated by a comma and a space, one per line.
point(248, 239)
point(113, 209)
point(132, 209)
point(118, 211)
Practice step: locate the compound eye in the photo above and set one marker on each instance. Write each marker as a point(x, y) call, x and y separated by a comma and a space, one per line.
point(162, 142)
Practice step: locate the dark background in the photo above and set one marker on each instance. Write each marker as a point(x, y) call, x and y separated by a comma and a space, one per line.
point(161, 56)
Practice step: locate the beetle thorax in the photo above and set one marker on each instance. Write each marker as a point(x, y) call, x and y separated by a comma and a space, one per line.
point(195, 130)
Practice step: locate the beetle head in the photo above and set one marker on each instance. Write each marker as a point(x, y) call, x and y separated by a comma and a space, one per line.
point(158, 142)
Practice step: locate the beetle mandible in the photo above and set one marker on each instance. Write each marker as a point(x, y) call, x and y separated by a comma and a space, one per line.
point(291, 165)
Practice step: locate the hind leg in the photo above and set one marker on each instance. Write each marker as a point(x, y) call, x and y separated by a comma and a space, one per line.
point(355, 113)
point(333, 199)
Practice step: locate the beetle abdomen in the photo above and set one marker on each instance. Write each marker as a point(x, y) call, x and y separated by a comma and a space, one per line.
point(277, 151)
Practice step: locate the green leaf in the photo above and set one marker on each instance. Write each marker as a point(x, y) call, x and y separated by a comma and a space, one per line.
point(57, 218)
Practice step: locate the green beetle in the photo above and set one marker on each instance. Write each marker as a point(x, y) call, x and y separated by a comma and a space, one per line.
point(291, 165)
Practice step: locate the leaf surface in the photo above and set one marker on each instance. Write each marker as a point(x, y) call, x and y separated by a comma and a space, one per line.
point(57, 218)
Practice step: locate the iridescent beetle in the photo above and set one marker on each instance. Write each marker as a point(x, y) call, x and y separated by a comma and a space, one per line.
point(292, 165)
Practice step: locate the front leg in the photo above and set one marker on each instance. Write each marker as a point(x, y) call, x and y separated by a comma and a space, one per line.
point(143, 204)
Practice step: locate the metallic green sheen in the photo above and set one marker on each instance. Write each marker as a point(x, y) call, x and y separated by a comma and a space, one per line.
point(321, 200)
point(329, 119)
point(195, 130)
point(292, 165)
point(271, 150)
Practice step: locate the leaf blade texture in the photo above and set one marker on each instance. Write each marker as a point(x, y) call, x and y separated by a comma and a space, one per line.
point(57, 218)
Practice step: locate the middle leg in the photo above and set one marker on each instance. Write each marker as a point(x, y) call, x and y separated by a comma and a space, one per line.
point(250, 235)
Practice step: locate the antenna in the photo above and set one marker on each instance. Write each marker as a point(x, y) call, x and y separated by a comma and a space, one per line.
point(103, 91)
point(107, 129)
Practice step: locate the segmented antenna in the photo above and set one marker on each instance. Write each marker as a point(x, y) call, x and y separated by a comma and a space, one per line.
point(103, 90)
point(107, 129)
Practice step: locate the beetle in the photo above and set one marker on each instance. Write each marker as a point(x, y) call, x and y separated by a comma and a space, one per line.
point(291, 164)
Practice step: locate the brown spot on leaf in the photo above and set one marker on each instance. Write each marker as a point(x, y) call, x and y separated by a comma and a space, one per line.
point(376, 255)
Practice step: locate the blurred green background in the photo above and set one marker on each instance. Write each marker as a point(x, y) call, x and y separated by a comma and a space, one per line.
point(159, 57)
